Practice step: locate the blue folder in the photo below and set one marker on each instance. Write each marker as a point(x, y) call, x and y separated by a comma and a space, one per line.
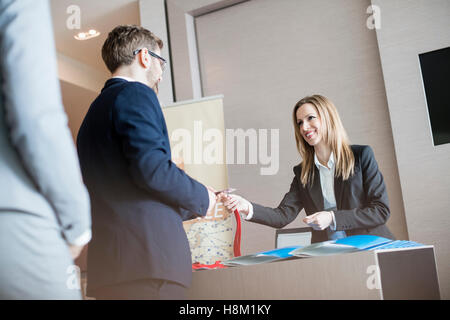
point(369, 242)
point(363, 241)
point(280, 253)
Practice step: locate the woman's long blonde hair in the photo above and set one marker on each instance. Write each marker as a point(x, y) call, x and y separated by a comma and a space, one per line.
point(334, 135)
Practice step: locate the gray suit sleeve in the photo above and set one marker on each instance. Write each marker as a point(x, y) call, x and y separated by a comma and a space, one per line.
point(34, 113)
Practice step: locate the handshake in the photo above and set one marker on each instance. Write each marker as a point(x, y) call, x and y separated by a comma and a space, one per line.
point(230, 201)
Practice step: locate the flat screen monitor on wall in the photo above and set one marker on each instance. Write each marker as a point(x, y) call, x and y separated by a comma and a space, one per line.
point(435, 67)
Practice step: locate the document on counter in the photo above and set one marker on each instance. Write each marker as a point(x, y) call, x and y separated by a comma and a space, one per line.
point(325, 248)
point(332, 247)
point(352, 244)
point(262, 257)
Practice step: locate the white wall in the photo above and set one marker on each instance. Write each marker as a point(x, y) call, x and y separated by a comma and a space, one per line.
point(153, 17)
point(80, 74)
point(407, 29)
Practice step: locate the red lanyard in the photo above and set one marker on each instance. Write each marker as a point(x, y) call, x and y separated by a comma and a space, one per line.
point(237, 235)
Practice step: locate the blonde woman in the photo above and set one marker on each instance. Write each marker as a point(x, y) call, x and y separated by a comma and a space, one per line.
point(338, 184)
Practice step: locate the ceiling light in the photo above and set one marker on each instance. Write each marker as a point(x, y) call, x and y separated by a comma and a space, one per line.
point(87, 35)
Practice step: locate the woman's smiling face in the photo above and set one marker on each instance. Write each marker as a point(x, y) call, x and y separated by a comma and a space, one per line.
point(309, 124)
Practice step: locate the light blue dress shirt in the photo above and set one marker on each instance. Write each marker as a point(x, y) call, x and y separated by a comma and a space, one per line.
point(329, 199)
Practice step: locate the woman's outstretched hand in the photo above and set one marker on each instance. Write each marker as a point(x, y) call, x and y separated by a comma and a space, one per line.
point(233, 202)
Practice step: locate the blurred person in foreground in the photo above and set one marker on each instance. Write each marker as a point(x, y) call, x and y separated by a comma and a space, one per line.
point(44, 206)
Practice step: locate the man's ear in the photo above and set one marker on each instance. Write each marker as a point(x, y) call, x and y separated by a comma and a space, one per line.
point(144, 58)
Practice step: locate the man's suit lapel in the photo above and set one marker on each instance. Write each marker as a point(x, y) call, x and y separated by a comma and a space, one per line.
point(315, 190)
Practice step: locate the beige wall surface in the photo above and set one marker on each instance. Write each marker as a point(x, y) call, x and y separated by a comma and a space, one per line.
point(196, 131)
point(409, 28)
point(179, 53)
point(263, 56)
point(153, 17)
point(77, 101)
point(180, 13)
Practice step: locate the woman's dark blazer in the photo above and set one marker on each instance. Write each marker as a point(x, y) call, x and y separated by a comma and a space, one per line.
point(362, 201)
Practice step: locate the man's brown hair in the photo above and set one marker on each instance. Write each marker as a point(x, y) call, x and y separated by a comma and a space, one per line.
point(123, 40)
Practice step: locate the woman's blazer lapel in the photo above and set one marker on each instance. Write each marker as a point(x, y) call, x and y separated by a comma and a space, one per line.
point(339, 185)
point(315, 191)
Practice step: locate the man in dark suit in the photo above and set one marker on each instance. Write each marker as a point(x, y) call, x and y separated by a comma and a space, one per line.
point(139, 249)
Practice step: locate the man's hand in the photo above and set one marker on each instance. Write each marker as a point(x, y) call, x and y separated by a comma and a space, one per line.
point(319, 220)
point(75, 251)
point(233, 202)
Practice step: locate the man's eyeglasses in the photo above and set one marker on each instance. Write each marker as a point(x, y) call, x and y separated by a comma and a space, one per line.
point(161, 59)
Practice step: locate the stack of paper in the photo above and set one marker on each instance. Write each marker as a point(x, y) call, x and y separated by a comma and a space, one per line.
point(262, 257)
point(351, 244)
point(326, 248)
